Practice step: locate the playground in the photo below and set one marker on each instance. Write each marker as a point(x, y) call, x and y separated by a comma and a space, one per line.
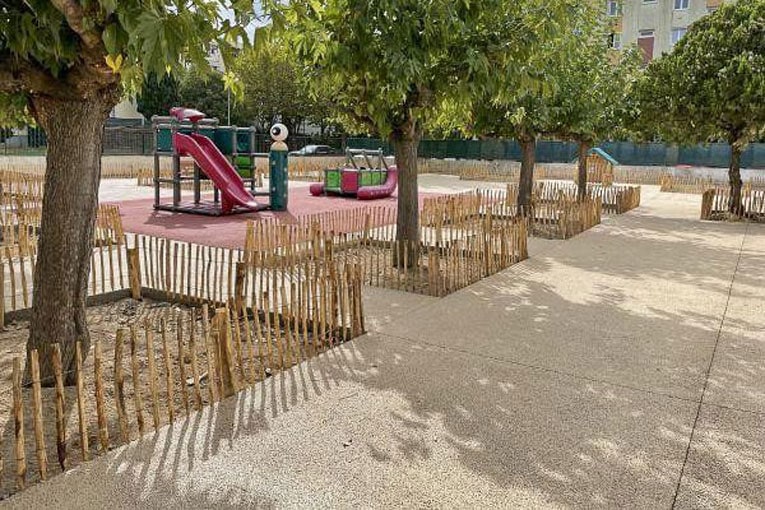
point(382, 254)
point(221, 283)
point(617, 366)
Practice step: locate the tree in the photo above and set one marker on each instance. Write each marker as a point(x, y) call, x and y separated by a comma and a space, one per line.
point(576, 91)
point(524, 115)
point(158, 95)
point(522, 106)
point(274, 90)
point(591, 89)
point(322, 114)
point(711, 86)
point(205, 90)
point(389, 64)
point(69, 62)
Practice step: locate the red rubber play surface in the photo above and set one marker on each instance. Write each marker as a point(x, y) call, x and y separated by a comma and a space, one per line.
point(139, 216)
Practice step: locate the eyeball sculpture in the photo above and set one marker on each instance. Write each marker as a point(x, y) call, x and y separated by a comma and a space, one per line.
point(279, 132)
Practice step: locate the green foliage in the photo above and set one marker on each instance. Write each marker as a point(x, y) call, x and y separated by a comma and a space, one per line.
point(70, 48)
point(389, 64)
point(158, 96)
point(712, 85)
point(277, 89)
point(592, 87)
point(13, 110)
point(575, 89)
point(207, 92)
point(273, 88)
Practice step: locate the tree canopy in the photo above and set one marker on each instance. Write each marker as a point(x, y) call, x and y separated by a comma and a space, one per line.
point(157, 96)
point(575, 89)
point(206, 91)
point(389, 64)
point(66, 63)
point(711, 86)
point(273, 88)
point(68, 49)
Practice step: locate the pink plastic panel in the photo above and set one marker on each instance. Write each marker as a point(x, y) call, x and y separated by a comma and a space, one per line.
point(349, 180)
point(189, 114)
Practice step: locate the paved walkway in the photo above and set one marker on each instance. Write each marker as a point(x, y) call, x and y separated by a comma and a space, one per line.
point(622, 368)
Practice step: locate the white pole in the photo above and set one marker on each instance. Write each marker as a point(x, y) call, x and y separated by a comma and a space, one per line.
point(228, 105)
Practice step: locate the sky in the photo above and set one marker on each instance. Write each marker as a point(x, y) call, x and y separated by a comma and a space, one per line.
point(227, 13)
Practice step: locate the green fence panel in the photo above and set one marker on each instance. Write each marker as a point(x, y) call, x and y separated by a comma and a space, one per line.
point(223, 136)
point(630, 154)
point(553, 151)
point(753, 156)
point(714, 155)
point(140, 140)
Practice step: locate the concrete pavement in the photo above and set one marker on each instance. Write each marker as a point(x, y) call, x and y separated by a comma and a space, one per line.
point(623, 368)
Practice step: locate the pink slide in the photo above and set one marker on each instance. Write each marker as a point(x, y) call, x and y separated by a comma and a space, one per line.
point(215, 165)
point(385, 189)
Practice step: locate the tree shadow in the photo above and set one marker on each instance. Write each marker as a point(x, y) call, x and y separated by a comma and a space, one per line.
point(537, 434)
point(583, 401)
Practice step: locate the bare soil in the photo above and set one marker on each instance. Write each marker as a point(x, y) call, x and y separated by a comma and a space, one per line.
point(253, 360)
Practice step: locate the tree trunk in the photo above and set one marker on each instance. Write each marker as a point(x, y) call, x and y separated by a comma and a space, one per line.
point(734, 176)
point(405, 143)
point(526, 181)
point(75, 137)
point(581, 178)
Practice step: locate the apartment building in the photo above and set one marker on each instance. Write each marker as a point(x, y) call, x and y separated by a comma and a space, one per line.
point(654, 25)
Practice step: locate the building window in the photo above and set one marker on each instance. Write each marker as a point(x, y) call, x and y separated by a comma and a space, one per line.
point(645, 43)
point(649, 1)
point(615, 41)
point(681, 5)
point(612, 8)
point(677, 34)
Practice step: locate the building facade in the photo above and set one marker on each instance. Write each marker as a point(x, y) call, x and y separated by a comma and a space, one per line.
point(654, 25)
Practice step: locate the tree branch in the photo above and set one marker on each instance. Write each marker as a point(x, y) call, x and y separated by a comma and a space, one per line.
point(74, 16)
point(25, 77)
point(366, 120)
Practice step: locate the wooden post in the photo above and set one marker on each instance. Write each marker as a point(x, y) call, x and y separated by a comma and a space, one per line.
point(194, 366)
point(134, 272)
point(269, 342)
point(212, 384)
point(258, 330)
point(18, 420)
point(103, 431)
point(168, 368)
point(137, 396)
point(60, 425)
point(235, 325)
point(251, 347)
point(223, 351)
point(42, 459)
point(12, 275)
point(151, 364)
point(119, 386)
point(81, 403)
point(182, 363)
point(239, 285)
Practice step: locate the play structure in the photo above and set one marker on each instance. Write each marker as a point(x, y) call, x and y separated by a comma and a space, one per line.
point(600, 166)
point(373, 179)
point(223, 154)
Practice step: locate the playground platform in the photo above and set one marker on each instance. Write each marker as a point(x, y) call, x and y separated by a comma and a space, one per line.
point(139, 216)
